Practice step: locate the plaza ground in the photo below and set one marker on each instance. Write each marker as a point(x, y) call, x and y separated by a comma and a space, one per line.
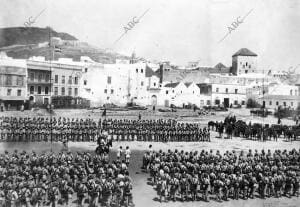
point(143, 194)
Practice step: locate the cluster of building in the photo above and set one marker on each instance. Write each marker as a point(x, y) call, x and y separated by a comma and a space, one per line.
point(39, 81)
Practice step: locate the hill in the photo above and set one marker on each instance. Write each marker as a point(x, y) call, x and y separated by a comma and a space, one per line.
point(21, 42)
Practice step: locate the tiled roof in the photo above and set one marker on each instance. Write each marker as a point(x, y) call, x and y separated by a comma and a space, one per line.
point(187, 84)
point(244, 52)
point(172, 85)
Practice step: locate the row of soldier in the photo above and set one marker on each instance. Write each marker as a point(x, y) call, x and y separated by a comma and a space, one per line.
point(199, 176)
point(30, 179)
point(58, 129)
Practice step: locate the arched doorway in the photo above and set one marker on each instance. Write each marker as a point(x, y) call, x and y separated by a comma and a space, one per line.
point(153, 100)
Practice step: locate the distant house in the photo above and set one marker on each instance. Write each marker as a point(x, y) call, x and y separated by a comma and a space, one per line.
point(244, 61)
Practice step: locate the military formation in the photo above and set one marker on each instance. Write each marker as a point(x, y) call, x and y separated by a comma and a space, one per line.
point(78, 130)
point(64, 179)
point(205, 175)
point(255, 131)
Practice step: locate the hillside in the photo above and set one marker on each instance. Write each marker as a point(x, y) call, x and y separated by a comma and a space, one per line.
point(21, 42)
point(30, 35)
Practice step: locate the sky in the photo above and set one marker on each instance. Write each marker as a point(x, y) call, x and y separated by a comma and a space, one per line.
point(173, 30)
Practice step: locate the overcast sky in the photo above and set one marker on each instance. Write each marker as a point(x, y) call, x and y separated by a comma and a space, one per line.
point(176, 30)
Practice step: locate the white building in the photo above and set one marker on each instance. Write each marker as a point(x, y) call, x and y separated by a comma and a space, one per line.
point(244, 61)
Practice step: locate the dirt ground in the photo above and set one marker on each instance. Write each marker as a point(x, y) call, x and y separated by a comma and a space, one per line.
point(144, 195)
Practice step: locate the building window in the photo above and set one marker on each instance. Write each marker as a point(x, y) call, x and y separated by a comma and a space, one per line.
point(217, 90)
point(296, 92)
point(246, 64)
point(32, 76)
point(31, 91)
point(20, 81)
point(137, 70)
point(76, 80)
point(19, 92)
point(142, 83)
point(112, 91)
point(142, 70)
point(85, 82)
point(8, 80)
point(246, 71)
point(226, 90)
point(291, 92)
point(76, 91)
point(236, 102)
point(249, 66)
point(107, 97)
point(56, 78)
point(105, 90)
point(270, 103)
point(39, 90)
point(208, 102)
point(40, 77)
point(284, 103)
point(46, 90)
point(167, 92)
point(108, 79)
point(63, 79)
point(63, 91)
point(154, 84)
point(56, 91)
point(277, 103)
point(70, 80)
point(235, 91)
point(70, 91)
point(180, 91)
point(9, 92)
point(47, 78)
point(173, 91)
point(86, 70)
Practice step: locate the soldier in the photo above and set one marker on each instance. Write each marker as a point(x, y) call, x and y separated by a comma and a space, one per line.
point(53, 194)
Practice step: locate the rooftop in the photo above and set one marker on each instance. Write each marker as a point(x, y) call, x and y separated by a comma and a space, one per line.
point(244, 52)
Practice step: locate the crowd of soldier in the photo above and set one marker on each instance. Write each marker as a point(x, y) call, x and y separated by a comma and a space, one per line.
point(28, 179)
point(202, 175)
point(59, 129)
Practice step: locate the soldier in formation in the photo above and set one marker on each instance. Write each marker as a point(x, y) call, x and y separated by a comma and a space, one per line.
point(29, 179)
point(180, 175)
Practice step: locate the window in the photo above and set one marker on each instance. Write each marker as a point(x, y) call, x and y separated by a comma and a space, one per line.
point(31, 90)
point(86, 70)
point(56, 91)
point(249, 66)
point(217, 90)
point(246, 71)
point(63, 79)
point(108, 79)
point(236, 102)
point(76, 91)
point(19, 92)
point(291, 92)
point(284, 103)
point(246, 63)
point(173, 91)
point(40, 77)
point(46, 90)
point(277, 103)
point(76, 80)
point(105, 90)
point(142, 70)
point(107, 97)
point(70, 80)
point(8, 80)
point(47, 79)
point(270, 103)
point(167, 92)
point(70, 91)
point(142, 83)
point(235, 91)
point(154, 84)
point(9, 92)
point(243, 66)
point(226, 90)
point(193, 92)
point(85, 82)
point(32, 76)
point(137, 70)
point(56, 78)
point(20, 81)
point(39, 90)
point(180, 91)
point(63, 91)
point(208, 102)
point(112, 91)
